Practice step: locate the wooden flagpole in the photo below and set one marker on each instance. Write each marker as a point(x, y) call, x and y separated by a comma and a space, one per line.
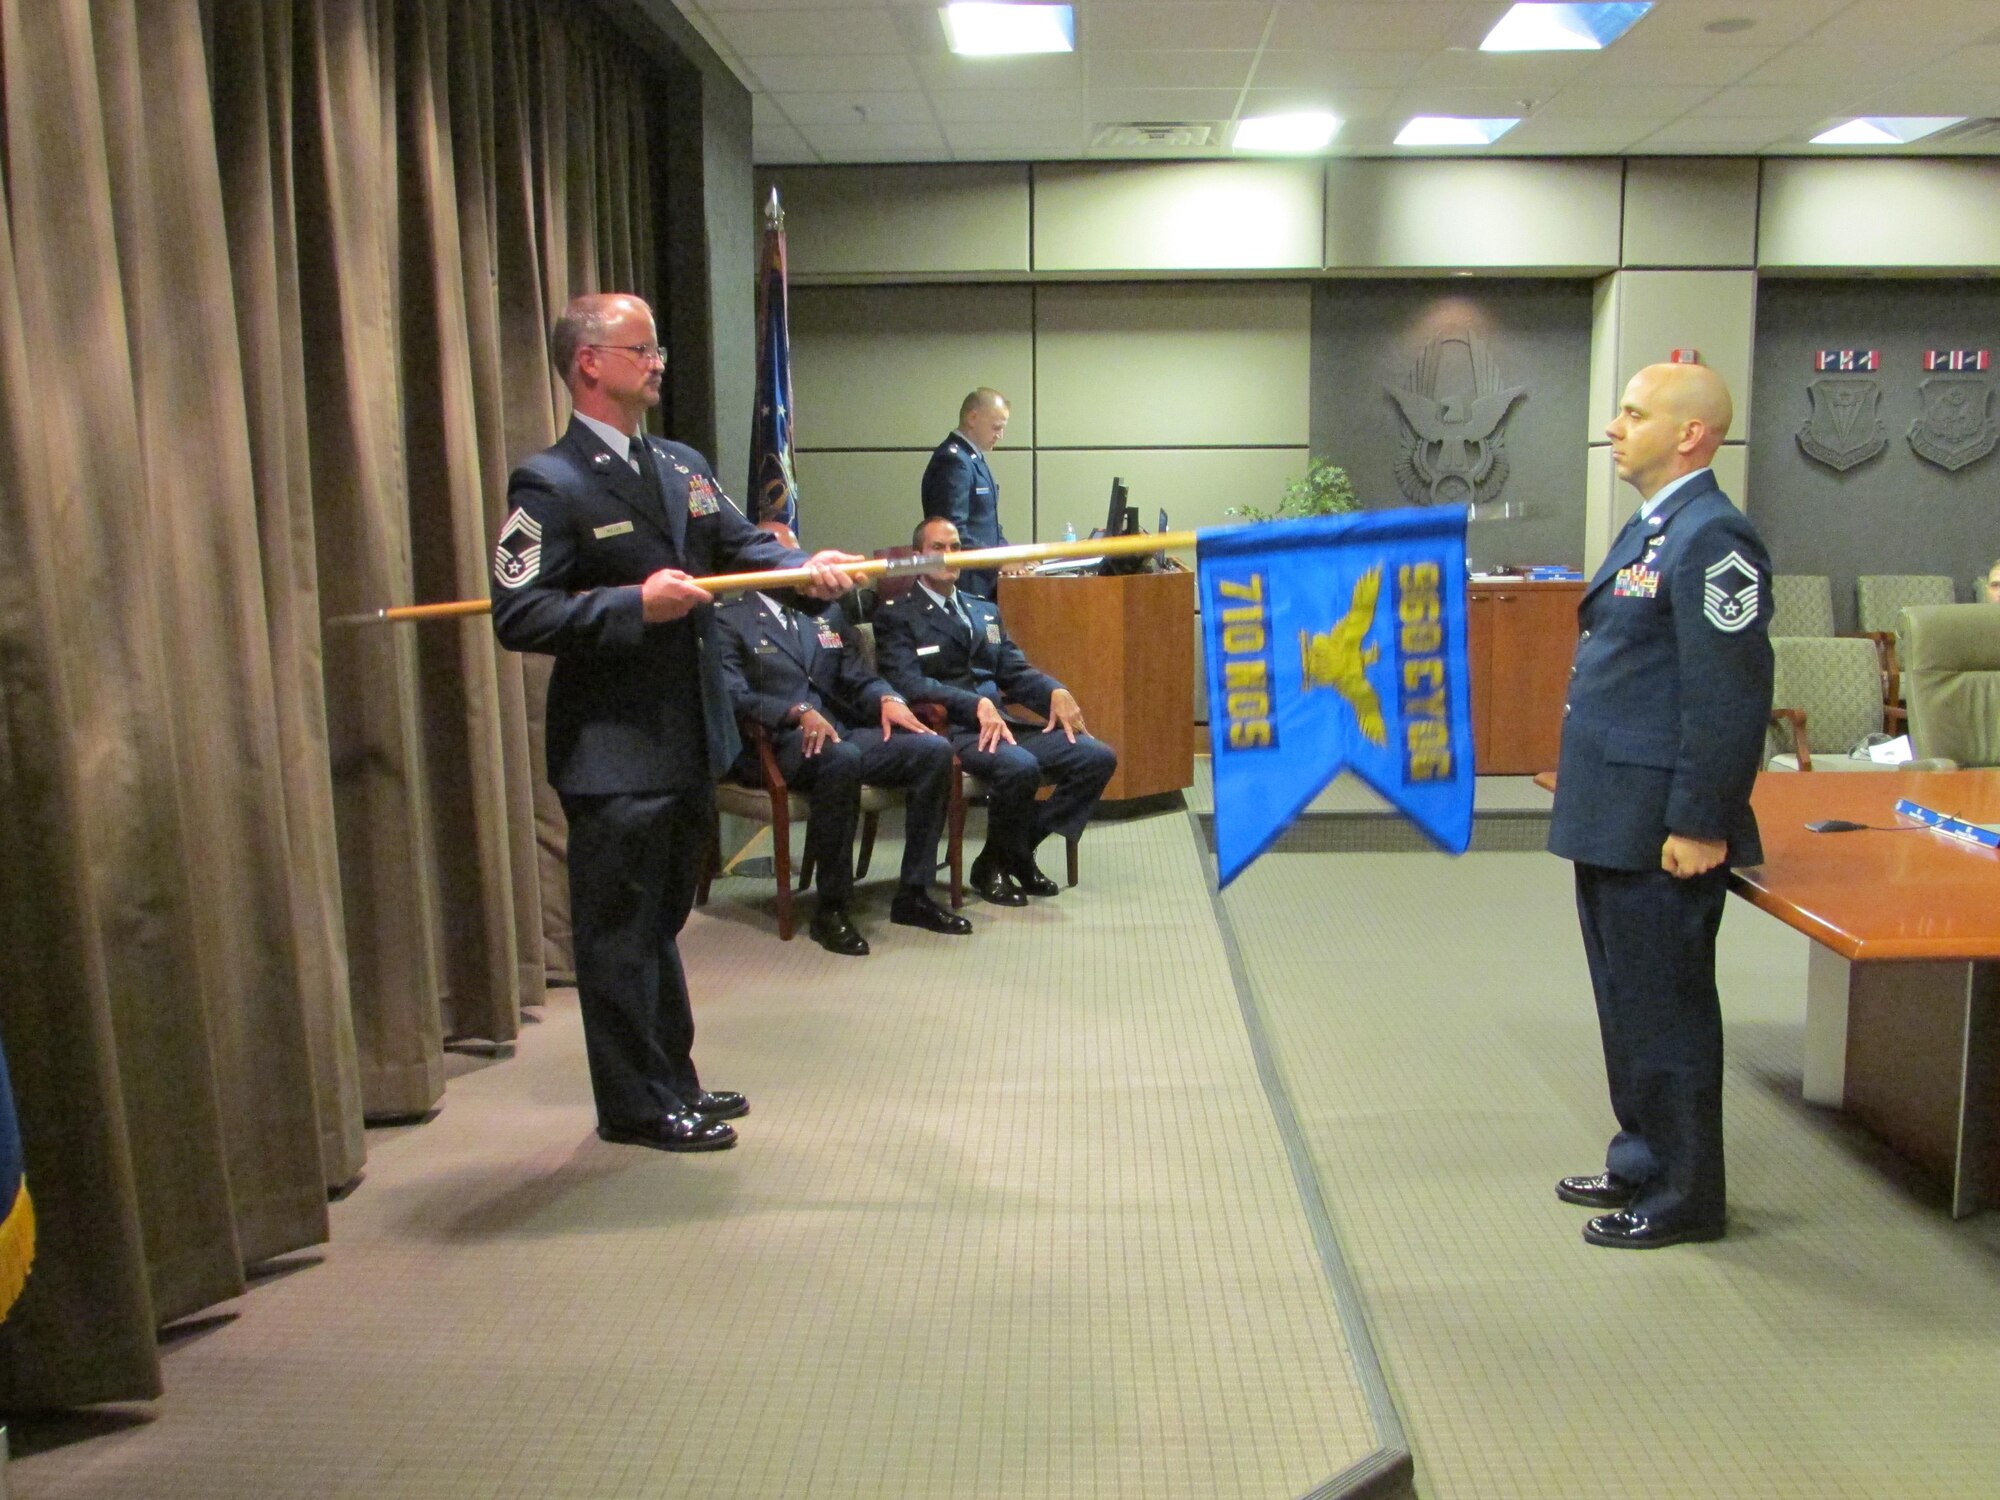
point(874, 567)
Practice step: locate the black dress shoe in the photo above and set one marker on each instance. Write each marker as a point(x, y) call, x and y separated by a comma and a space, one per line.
point(1629, 1231)
point(1602, 1191)
point(1032, 880)
point(833, 932)
point(995, 884)
point(913, 908)
point(719, 1104)
point(685, 1131)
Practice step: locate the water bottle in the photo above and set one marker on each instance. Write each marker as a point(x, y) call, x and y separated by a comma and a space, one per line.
point(1069, 531)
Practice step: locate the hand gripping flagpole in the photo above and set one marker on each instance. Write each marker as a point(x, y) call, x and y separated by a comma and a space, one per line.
point(875, 567)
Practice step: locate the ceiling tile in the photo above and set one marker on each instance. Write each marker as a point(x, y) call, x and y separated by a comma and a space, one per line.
point(847, 139)
point(1055, 71)
point(1348, 104)
point(1817, 65)
point(1559, 135)
point(1222, 25)
point(779, 143)
point(1978, 65)
point(969, 107)
point(1335, 25)
point(1476, 103)
point(822, 75)
point(1777, 23)
point(696, 6)
point(1750, 101)
point(1113, 105)
point(1020, 138)
point(1299, 70)
point(1720, 134)
point(1169, 70)
point(1977, 100)
point(1522, 72)
point(805, 33)
point(1676, 65)
point(1872, 24)
point(1607, 100)
point(855, 108)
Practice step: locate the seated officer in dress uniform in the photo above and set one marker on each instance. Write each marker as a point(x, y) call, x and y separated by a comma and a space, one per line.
point(834, 725)
point(959, 484)
point(938, 644)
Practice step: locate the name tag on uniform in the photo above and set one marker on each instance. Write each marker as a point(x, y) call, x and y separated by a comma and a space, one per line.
point(993, 632)
point(702, 498)
point(764, 647)
point(828, 636)
point(928, 650)
point(1637, 582)
point(616, 528)
point(982, 489)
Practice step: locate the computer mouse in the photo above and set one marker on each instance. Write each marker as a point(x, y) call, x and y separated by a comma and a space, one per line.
point(1835, 825)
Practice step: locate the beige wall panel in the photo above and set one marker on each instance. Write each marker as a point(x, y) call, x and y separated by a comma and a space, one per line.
point(885, 367)
point(1194, 486)
point(1732, 472)
point(902, 220)
point(1527, 215)
point(1713, 312)
point(863, 502)
point(1606, 505)
point(1690, 212)
point(1201, 363)
point(1178, 216)
point(1607, 309)
point(1880, 212)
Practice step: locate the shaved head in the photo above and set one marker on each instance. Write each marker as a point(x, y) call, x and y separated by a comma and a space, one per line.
point(1670, 421)
point(1694, 393)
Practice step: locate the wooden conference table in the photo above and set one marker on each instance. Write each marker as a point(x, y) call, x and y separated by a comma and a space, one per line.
point(1903, 982)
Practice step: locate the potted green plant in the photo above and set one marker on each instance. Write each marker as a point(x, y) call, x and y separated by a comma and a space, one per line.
point(1325, 490)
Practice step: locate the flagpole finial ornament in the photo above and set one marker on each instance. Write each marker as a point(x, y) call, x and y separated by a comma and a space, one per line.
point(774, 215)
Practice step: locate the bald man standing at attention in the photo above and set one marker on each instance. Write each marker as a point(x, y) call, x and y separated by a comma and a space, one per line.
point(1662, 735)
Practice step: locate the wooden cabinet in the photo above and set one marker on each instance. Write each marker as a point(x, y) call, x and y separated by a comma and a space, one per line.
point(1521, 637)
point(1125, 647)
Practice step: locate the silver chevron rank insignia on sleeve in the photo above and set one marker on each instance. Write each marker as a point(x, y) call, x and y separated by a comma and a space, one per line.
point(517, 556)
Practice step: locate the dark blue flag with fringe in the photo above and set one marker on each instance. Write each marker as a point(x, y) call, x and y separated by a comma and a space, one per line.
point(17, 1209)
point(1337, 643)
point(774, 489)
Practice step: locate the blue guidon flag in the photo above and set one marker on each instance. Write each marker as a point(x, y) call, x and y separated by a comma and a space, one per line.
point(774, 489)
point(17, 1209)
point(1337, 643)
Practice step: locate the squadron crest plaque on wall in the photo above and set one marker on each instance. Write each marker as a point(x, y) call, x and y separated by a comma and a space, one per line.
point(1451, 450)
point(1846, 427)
point(1957, 426)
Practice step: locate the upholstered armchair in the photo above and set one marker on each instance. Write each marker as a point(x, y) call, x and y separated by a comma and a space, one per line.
point(1951, 674)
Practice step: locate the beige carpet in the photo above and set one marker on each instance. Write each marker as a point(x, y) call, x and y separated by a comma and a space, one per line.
point(1011, 1217)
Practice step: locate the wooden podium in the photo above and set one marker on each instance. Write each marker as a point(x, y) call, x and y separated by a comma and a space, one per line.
point(1125, 647)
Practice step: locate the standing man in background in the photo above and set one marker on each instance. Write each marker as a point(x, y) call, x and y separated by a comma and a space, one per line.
point(1662, 735)
point(595, 565)
point(959, 486)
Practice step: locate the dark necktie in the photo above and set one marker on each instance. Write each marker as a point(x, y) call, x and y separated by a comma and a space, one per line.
point(965, 619)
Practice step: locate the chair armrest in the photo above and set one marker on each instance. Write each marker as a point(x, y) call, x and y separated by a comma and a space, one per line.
point(1796, 718)
point(758, 738)
point(1895, 718)
point(932, 716)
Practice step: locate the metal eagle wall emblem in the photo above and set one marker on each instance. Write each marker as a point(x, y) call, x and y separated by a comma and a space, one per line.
point(1452, 450)
point(1844, 428)
point(1957, 426)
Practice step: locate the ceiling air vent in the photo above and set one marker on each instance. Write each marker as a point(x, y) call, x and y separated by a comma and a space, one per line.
point(1158, 135)
point(1977, 132)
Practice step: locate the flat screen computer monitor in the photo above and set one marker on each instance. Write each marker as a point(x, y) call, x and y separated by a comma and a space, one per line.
point(1121, 518)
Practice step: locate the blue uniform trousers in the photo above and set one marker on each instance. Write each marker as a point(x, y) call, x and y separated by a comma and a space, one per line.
point(634, 861)
point(1015, 821)
point(918, 763)
point(1649, 939)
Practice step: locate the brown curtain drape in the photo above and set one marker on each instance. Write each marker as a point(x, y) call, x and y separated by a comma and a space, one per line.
point(275, 280)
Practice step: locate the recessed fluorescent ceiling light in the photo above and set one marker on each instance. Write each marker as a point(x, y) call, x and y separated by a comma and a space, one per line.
point(1885, 130)
point(1447, 130)
point(1531, 27)
point(996, 30)
point(1308, 131)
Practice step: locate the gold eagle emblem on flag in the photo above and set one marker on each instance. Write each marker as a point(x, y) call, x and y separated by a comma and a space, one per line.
point(1339, 658)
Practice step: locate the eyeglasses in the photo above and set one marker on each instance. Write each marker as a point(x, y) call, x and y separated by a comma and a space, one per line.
point(644, 353)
